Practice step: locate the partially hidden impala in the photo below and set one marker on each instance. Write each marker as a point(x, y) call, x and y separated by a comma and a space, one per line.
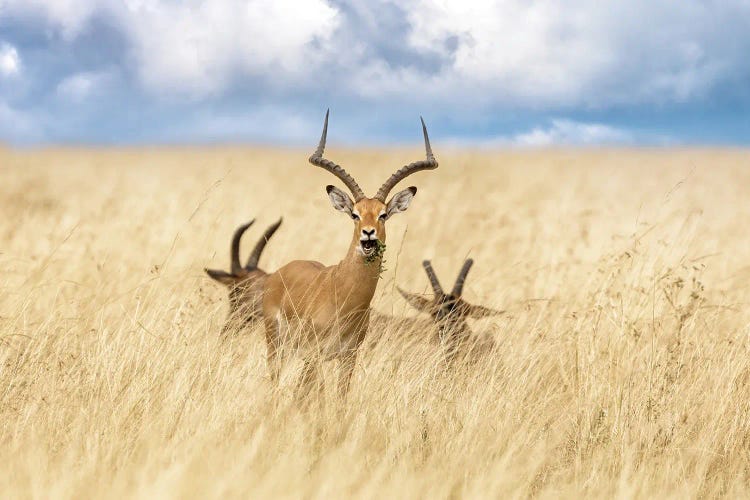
point(449, 311)
point(322, 312)
point(245, 283)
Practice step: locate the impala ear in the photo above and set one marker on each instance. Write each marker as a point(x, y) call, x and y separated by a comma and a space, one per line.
point(416, 301)
point(340, 200)
point(222, 277)
point(478, 312)
point(400, 201)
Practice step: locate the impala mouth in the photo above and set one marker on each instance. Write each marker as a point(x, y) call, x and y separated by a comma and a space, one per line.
point(368, 247)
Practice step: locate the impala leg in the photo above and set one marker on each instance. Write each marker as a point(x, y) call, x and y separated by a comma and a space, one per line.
point(349, 359)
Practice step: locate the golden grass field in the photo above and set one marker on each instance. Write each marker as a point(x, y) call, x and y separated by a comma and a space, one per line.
point(622, 368)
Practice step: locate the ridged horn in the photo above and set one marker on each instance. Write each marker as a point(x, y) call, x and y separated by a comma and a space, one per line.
point(252, 261)
point(433, 278)
point(234, 251)
point(318, 160)
point(430, 163)
point(458, 287)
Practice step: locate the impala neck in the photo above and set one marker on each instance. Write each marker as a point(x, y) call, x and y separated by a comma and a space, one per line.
point(358, 277)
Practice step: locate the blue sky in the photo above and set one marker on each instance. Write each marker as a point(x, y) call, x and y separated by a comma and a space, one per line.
point(517, 73)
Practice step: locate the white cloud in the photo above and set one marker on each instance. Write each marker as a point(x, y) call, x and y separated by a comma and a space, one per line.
point(80, 86)
point(199, 47)
point(10, 62)
point(570, 133)
point(468, 60)
point(560, 132)
point(547, 53)
point(551, 53)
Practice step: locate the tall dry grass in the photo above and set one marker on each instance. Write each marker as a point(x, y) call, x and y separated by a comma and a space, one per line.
point(622, 368)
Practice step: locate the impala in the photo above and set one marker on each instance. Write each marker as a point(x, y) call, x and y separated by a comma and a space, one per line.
point(450, 311)
point(245, 284)
point(322, 312)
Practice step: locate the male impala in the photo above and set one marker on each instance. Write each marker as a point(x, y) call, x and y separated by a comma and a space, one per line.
point(450, 311)
point(245, 284)
point(326, 309)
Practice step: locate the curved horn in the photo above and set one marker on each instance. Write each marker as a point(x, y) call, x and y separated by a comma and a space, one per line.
point(429, 164)
point(234, 251)
point(458, 288)
point(252, 261)
point(433, 278)
point(318, 160)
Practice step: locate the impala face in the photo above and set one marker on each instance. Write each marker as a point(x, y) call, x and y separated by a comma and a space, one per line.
point(448, 306)
point(369, 215)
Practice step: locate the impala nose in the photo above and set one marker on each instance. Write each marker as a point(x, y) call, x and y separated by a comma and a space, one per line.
point(368, 234)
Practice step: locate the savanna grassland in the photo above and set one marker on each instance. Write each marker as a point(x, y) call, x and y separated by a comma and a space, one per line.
point(622, 365)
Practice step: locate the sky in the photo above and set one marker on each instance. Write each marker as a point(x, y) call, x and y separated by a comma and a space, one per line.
point(502, 73)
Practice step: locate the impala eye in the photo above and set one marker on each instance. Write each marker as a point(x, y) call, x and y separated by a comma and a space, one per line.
point(382, 216)
point(355, 216)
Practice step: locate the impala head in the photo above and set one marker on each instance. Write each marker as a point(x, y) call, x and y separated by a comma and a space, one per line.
point(448, 310)
point(370, 214)
point(238, 272)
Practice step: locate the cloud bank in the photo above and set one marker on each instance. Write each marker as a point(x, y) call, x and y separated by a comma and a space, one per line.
point(484, 68)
